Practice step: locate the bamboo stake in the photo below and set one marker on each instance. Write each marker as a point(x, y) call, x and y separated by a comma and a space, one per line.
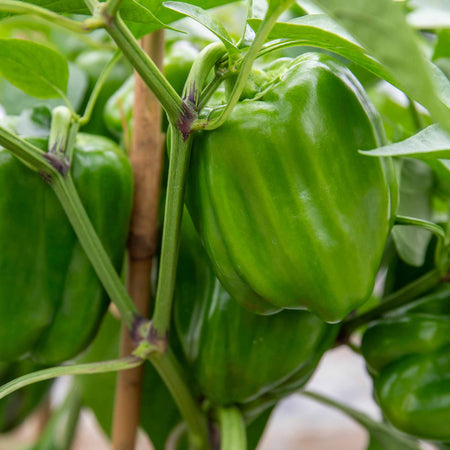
point(146, 158)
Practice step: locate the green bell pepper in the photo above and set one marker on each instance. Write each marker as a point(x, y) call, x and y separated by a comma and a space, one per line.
point(237, 356)
point(51, 300)
point(289, 212)
point(408, 355)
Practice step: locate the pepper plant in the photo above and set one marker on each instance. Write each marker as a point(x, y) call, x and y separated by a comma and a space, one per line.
point(307, 158)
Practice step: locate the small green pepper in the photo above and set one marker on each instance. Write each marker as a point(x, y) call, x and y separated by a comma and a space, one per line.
point(51, 300)
point(408, 355)
point(237, 356)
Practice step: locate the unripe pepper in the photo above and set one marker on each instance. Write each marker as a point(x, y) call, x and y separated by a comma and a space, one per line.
point(51, 300)
point(237, 356)
point(291, 215)
point(408, 356)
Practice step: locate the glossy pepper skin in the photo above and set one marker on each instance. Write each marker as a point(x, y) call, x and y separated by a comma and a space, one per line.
point(290, 214)
point(51, 301)
point(408, 356)
point(237, 356)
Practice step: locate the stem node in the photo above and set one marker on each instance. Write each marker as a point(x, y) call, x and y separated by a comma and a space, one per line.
point(187, 117)
point(62, 165)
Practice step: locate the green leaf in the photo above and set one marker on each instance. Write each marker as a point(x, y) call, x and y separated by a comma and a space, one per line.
point(154, 15)
point(14, 100)
point(431, 143)
point(34, 68)
point(205, 19)
point(385, 436)
point(319, 30)
point(381, 28)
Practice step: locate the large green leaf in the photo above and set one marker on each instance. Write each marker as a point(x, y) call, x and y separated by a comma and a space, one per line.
point(34, 68)
point(381, 435)
point(142, 16)
point(204, 18)
point(319, 30)
point(380, 26)
point(15, 101)
point(431, 143)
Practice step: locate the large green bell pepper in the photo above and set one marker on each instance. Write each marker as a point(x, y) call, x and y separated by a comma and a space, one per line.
point(237, 356)
point(289, 212)
point(408, 355)
point(51, 301)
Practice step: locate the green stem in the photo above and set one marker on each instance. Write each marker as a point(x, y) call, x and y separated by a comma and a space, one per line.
point(232, 429)
point(98, 87)
point(209, 90)
point(115, 365)
point(71, 139)
point(393, 301)
point(70, 201)
point(180, 152)
point(59, 130)
point(200, 69)
point(149, 72)
point(425, 224)
point(20, 7)
point(260, 38)
point(112, 7)
point(30, 155)
point(171, 373)
point(68, 196)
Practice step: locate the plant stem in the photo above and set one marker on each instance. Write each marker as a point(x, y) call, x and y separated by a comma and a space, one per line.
point(20, 7)
point(200, 69)
point(30, 155)
point(244, 72)
point(113, 6)
point(180, 151)
point(232, 429)
point(146, 157)
point(149, 72)
point(425, 224)
point(75, 369)
point(393, 301)
point(70, 201)
point(61, 120)
point(171, 373)
point(98, 87)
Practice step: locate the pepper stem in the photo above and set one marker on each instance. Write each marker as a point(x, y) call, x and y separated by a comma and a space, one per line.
point(232, 429)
